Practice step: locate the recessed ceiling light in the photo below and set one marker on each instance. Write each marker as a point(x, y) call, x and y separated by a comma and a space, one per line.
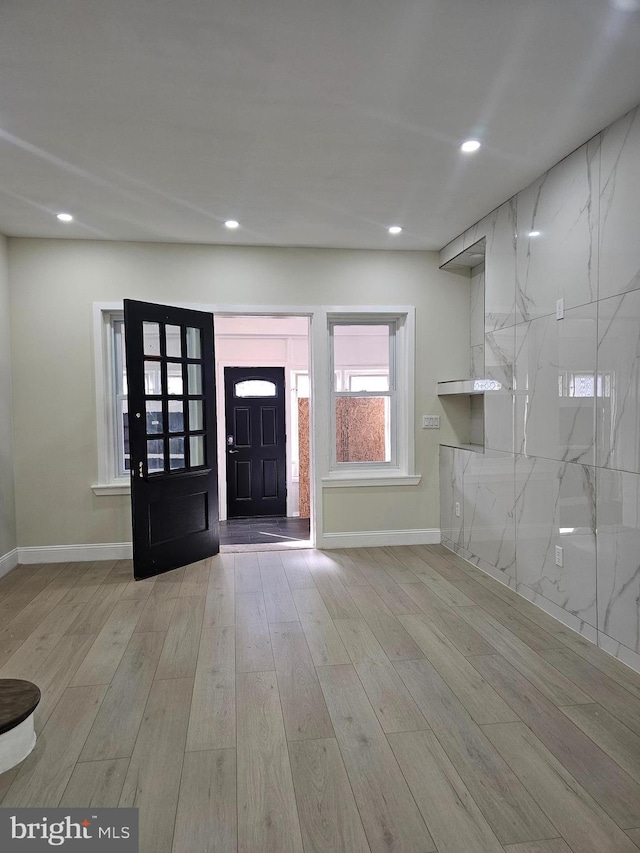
point(470, 145)
point(395, 229)
point(232, 224)
point(533, 234)
point(64, 217)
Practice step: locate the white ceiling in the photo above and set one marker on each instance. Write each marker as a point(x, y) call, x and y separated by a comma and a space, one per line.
point(312, 122)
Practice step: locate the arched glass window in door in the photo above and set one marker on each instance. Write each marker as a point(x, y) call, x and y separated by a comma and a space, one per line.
point(255, 388)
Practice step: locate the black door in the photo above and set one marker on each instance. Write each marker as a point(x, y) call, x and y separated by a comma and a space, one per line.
point(256, 457)
point(172, 435)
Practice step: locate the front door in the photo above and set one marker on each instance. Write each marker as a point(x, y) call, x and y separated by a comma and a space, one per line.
point(172, 435)
point(255, 441)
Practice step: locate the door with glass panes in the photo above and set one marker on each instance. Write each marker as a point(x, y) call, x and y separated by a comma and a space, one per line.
point(172, 436)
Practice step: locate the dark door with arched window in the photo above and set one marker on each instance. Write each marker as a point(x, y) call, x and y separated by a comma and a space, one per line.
point(255, 441)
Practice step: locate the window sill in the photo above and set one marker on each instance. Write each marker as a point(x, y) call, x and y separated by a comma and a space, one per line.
point(352, 480)
point(121, 488)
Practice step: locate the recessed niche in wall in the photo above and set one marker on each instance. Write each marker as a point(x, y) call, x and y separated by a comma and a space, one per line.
point(470, 264)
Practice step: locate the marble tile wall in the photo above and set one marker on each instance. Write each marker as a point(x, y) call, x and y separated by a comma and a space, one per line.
point(561, 461)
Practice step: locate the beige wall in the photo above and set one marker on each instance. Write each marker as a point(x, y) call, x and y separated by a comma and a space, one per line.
point(53, 286)
point(7, 493)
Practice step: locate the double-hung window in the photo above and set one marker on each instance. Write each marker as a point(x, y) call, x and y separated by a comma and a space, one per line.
point(364, 394)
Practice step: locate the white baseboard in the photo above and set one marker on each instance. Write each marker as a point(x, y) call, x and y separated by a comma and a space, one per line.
point(371, 538)
point(8, 561)
point(76, 553)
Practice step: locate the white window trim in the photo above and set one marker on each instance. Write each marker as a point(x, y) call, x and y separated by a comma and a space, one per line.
point(402, 473)
point(108, 482)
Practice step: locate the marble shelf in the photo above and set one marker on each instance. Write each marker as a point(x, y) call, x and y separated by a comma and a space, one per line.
point(467, 386)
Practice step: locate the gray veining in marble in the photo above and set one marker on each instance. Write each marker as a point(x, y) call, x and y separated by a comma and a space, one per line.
point(618, 512)
point(477, 362)
point(451, 492)
point(561, 262)
point(489, 509)
point(618, 401)
point(477, 306)
point(556, 506)
point(554, 386)
point(499, 228)
point(566, 413)
point(498, 404)
point(620, 206)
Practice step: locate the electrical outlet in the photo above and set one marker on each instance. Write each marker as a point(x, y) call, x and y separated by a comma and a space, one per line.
point(431, 422)
point(458, 509)
point(559, 560)
point(560, 309)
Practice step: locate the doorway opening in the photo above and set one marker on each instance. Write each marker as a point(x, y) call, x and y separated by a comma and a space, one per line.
point(263, 418)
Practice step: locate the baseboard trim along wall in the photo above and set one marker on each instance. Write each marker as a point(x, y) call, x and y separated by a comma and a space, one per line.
point(8, 561)
point(373, 538)
point(75, 553)
point(124, 550)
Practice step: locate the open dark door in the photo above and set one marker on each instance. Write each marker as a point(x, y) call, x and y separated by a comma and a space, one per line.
point(256, 441)
point(172, 436)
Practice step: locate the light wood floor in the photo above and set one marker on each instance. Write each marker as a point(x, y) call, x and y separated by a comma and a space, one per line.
point(387, 699)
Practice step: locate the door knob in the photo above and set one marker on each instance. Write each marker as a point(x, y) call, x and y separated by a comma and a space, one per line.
point(234, 451)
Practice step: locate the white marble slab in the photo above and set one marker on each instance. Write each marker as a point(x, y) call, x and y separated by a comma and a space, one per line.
point(555, 365)
point(499, 354)
point(477, 307)
point(477, 361)
point(450, 493)
point(620, 206)
point(499, 228)
point(618, 513)
point(556, 506)
point(561, 262)
point(618, 401)
point(451, 250)
point(489, 511)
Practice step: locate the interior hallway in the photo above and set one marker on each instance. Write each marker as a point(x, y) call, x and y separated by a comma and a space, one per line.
point(389, 699)
point(269, 530)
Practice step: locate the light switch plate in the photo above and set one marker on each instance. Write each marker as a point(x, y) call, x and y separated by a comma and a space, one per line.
point(457, 509)
point(559, 560)
point(560, 309)
point(431, 422)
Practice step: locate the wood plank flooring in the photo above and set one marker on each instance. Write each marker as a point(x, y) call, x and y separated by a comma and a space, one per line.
point(393, 700)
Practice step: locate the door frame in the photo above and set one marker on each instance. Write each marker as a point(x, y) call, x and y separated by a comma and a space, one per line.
point(222, 448)
point(289, 369)
point(308, 312)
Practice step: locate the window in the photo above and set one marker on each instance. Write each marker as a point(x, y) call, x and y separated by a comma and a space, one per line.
point(120, 418)
point(255, 388)
point(363, 399)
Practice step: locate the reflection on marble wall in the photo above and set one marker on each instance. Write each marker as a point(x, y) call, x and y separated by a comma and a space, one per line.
point(560, 208)
point(618, 512)
point(450, 492)
point(477, 362)
point(620, 206)
point(477, 306)
point(498, 404)
point(488, 513)
point(556, 506)
point(567, 415)
point(476, 420)
point(554, 386)
point(618, 401)
point(500, 266)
